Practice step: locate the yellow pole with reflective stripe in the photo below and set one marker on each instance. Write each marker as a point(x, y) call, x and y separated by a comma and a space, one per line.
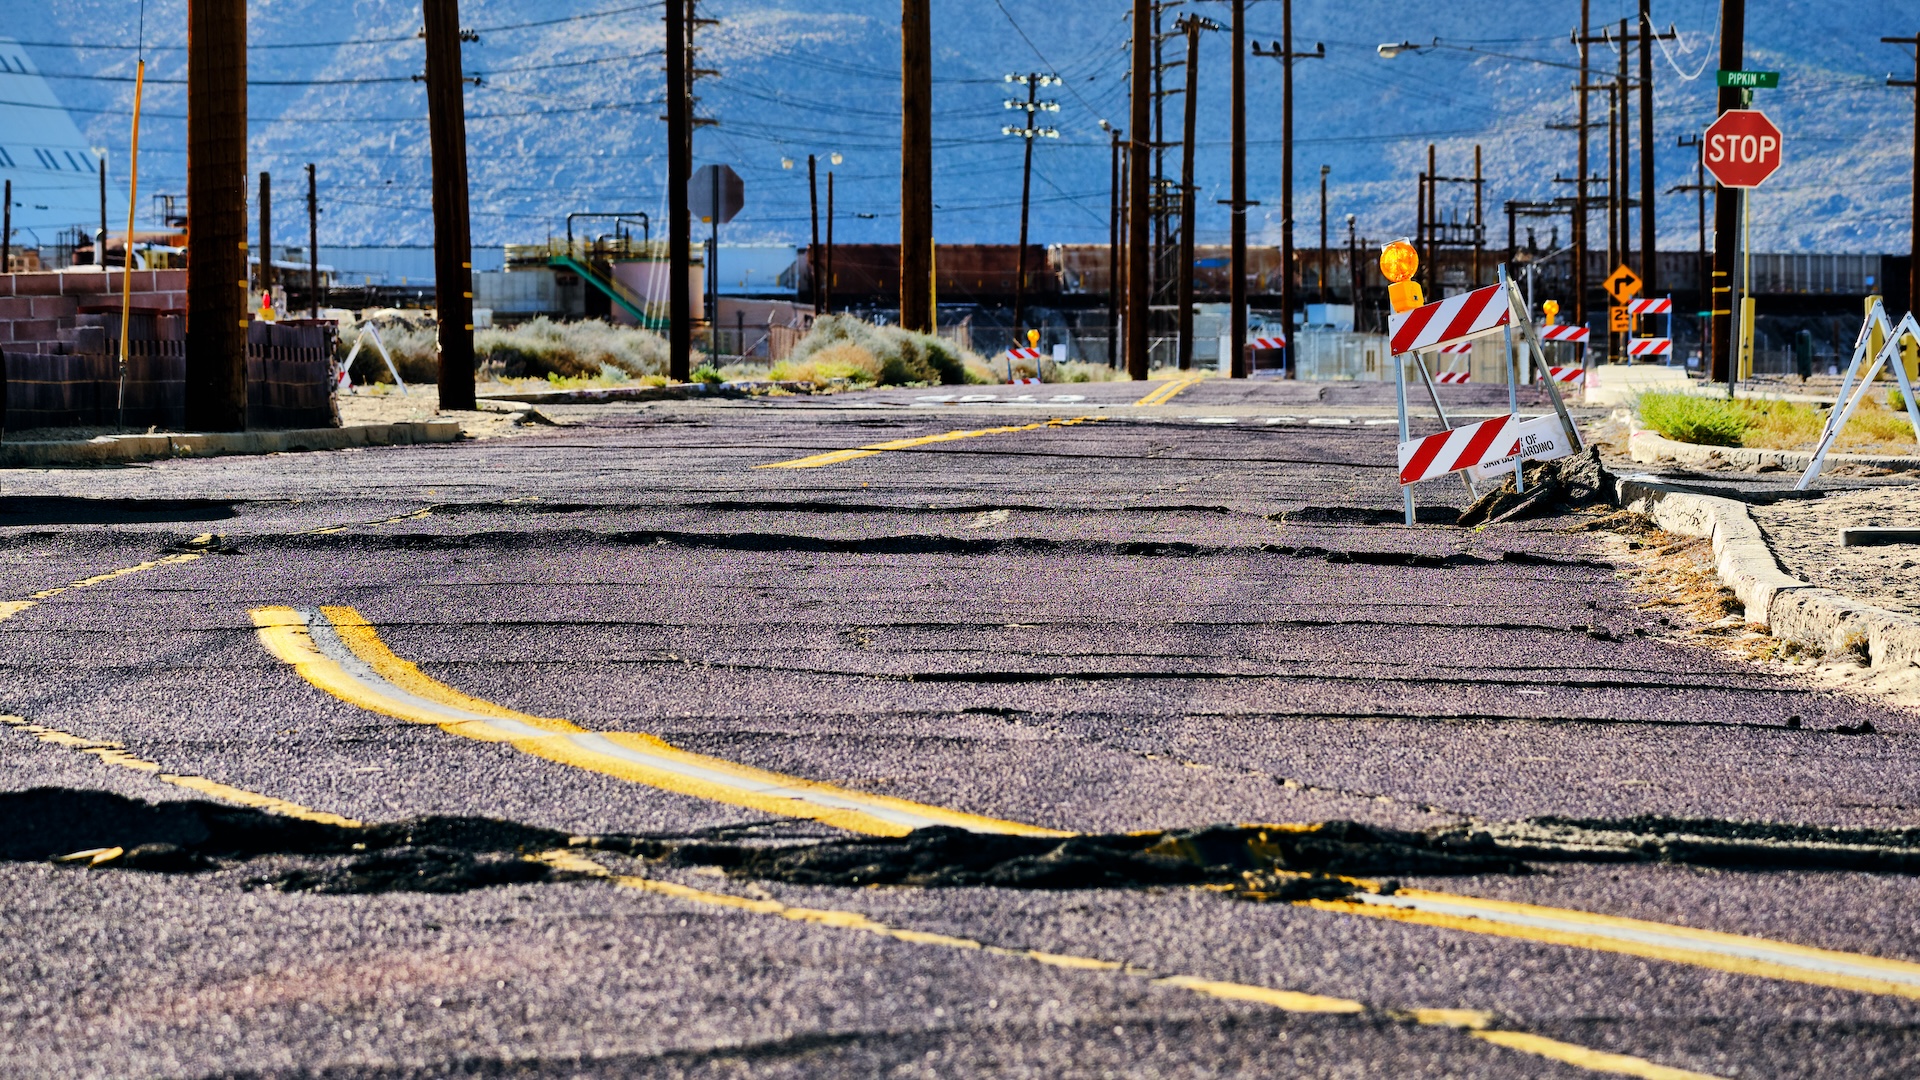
point(126, 250)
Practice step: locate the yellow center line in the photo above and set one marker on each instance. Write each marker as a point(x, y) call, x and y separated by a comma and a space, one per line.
point(10, 608)
point(1737, 953)
point(353, 664)
point(835, 457)
point(1165, 392)
point(116, 754)
point(395, 687)
point(1473, 1022)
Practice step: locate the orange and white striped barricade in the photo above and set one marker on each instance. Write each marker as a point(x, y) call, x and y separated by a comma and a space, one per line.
point(1495, 309)
point(1858, 381)
point(1650, 346)
point(1459, 348)
point(1021, 352)
point(1566, 374)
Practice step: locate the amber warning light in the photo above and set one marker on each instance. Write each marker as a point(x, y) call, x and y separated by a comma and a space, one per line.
point(1398, 261)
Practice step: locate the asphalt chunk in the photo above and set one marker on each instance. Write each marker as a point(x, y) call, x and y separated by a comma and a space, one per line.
point(1250, 856)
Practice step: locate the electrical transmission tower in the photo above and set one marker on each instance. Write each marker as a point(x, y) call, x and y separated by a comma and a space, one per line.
point(1028, 130)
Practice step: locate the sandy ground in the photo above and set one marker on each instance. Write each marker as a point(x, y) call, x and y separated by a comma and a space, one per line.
point(1805, 537)
point(492, 421)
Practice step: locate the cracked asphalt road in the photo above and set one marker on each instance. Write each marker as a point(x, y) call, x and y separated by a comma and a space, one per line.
point(1163, 618)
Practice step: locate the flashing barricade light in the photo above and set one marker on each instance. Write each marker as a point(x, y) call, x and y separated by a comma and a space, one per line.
point(1552, 308)
point(1033, 339)
point(1398, 261)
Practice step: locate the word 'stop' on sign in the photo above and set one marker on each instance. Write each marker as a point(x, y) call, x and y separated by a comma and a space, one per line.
point(1742, 148)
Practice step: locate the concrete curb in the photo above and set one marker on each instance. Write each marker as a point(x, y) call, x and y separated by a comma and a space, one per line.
point(110, 449)
point(1648, 447)
point(684, 392)
point(1794, 610)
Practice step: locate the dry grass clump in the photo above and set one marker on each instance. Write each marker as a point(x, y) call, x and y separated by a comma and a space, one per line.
point(1873, 425)
point(840, 360)
point(590, 352)
point(1768, 425)
point(843, 347)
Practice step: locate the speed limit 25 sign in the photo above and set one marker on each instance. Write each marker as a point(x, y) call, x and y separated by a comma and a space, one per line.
point(1742, 148)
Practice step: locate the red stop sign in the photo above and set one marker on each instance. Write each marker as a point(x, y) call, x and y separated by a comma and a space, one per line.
point(1742, 148)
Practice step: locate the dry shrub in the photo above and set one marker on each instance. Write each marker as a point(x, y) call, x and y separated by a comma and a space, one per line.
point(578, 352)
point(1873, 425)
point(901, 358)
point(821, 367)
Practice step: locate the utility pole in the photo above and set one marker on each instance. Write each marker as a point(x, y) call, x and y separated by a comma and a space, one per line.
point(1726, 211)
point(266, 235)
point(452, 232)
point(679, 218)
point(1581, 166)
point(313, 244)
point(1324, 292)
point(216, 346)
point(1237, 289)
point(813, 249)
point(1138, 147)
point(1353, 271)
point(826, 287)
point(1479, 217)
point(1283, 51)
point(1913, 270)
point(100, 245)
point(916, 166)
point(6, 230)
point(1699, 187)
point(1028, 131)
point(1191, 25)
point(1649, 256)
point(1113, 248)
point(1623, 153)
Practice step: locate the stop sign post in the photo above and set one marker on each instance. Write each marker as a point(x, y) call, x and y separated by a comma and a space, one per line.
point(1742, 148)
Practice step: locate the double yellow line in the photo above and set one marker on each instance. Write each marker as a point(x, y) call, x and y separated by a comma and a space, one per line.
point(340, 652)
point(1165, 392)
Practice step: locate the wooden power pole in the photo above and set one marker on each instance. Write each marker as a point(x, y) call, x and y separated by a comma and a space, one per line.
point(1726, 208)
point(313, 245)
point(679, 220)
point(1191, 25)
point(916, 166)
point(266, 235)
point(452, 235)
point(1139, 147)
point(1913, 268)
point(216, 391)
point(1649, 255)
point(1237, 289)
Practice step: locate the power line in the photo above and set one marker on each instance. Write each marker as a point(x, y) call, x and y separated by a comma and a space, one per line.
point(352, 41)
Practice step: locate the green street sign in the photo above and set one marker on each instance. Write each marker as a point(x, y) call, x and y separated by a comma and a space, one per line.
point(1749, 80)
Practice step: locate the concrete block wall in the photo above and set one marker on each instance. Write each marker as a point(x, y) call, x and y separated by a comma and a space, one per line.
point(39, 311)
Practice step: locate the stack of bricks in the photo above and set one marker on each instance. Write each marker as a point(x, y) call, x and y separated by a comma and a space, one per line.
point(39, 312)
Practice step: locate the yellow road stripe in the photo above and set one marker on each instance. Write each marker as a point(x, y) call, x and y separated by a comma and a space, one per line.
point(1164, 393)
point(115, 754)
point(402, 691)
point(1736, 953)
point(1472, 1021)
point(10, 608)
point(1584, 1057)
point(835, 457)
